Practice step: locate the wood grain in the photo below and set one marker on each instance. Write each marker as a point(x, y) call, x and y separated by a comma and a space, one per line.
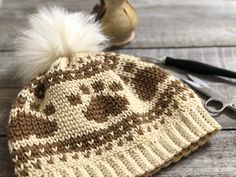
point(8, 67)
point(168, 23)
point(216, 158)
point(6, 167)
point(7, 97)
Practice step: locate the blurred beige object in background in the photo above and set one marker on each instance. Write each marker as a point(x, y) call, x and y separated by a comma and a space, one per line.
point(119, 20)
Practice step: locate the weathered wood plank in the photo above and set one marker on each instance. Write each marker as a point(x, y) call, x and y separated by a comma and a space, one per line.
point(8, 67)
point(161, 23)
point(13, 16)
point(6, 167)
point(7, 97)
point(216, 158)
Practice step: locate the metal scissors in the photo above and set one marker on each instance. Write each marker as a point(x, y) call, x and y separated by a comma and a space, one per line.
point(214, 96)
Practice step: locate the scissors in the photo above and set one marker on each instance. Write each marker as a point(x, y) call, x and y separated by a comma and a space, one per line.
point(214, 96)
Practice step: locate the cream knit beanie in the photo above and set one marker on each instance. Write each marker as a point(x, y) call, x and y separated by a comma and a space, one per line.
point(90, 113)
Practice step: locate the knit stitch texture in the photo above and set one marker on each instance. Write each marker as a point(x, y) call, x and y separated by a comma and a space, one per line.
point(104, 114)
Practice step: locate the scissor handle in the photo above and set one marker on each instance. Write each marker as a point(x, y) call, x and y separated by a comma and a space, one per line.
point(216, 111)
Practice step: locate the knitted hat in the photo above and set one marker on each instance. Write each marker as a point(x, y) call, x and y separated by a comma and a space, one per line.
point(91, 113)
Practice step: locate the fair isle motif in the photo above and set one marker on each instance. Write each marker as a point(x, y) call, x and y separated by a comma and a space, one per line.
point(105, 114)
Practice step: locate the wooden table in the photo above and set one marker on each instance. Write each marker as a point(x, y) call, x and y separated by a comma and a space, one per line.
point(203, 30)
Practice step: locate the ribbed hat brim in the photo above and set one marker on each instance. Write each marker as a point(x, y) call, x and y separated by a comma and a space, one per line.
point(174, 141)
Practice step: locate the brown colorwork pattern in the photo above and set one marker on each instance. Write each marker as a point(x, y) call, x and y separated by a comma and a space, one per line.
point(35, 106)
point(80, 143)
point(98, 86)
point(74, 99)
point(26, 124)
point(146, 81)
point(112, 133)
point(103, 106)
point(111, 60)
point(49, 109)
point(86, 71)
point(84, 89)
point(116, 86)
point(129, 67)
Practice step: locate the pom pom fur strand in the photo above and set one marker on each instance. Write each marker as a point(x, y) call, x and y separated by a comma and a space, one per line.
point(55, 33)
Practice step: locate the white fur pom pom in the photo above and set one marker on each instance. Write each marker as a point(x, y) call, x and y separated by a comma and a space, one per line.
point(56, 33)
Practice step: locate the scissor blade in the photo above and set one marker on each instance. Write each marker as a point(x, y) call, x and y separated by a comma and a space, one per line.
point(154, 60)
point(197, 80)
point(202, 89)
point(192, 84)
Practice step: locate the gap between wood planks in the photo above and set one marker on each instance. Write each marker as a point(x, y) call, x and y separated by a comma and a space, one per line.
point(151, 48)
